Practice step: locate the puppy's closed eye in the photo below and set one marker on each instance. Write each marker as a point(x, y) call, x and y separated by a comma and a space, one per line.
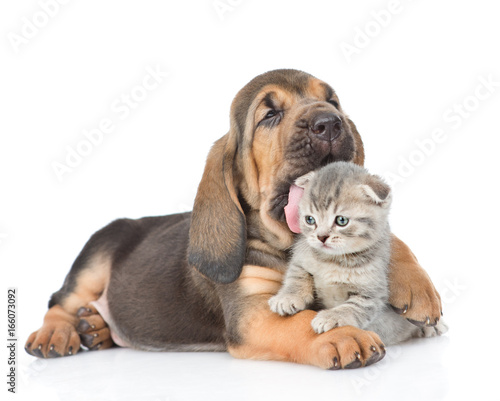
point(272, 118)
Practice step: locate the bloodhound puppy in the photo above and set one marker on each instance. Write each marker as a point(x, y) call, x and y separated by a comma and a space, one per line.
point(200, 281)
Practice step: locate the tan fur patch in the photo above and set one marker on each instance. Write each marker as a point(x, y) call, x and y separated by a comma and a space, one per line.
point(278, 232)
point(257, 280)
point(90, 283)
point(317, 89)
point(57, 315)
point(264, 247)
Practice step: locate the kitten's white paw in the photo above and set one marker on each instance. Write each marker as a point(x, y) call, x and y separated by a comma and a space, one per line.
point(287, 304)
point(436, 330)
point(331, 318)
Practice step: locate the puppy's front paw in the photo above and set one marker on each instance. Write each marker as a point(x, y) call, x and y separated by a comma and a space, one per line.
point(287, 304)
point(330, 319)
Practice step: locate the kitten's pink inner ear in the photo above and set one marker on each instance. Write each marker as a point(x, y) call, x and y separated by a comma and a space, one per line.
point(292, 209)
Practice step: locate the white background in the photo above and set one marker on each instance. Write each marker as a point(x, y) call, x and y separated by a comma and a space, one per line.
point(400, 87)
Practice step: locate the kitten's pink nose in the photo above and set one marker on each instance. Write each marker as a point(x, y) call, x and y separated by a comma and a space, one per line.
point(323, 238)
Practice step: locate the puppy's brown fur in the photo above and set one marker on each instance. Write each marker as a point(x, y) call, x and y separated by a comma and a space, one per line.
point(201, 280)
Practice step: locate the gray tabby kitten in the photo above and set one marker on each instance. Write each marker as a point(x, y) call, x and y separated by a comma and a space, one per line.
point(343, 254)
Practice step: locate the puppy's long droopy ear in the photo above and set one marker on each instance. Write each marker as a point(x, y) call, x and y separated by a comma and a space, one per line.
point(217, 236)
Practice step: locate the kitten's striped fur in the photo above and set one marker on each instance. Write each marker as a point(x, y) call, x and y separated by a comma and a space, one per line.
point(347, 271)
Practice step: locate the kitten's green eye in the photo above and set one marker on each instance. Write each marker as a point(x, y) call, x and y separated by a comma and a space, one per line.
point(341, 221)
point(310, 220)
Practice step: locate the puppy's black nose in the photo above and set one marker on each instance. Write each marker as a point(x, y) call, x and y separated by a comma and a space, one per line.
point(323, 238)
point(326, 126)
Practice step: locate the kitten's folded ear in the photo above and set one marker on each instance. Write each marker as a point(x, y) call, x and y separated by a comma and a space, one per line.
point(302, 181)
point(377, 190)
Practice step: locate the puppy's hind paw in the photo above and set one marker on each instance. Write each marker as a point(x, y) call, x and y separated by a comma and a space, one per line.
point(92, 329)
